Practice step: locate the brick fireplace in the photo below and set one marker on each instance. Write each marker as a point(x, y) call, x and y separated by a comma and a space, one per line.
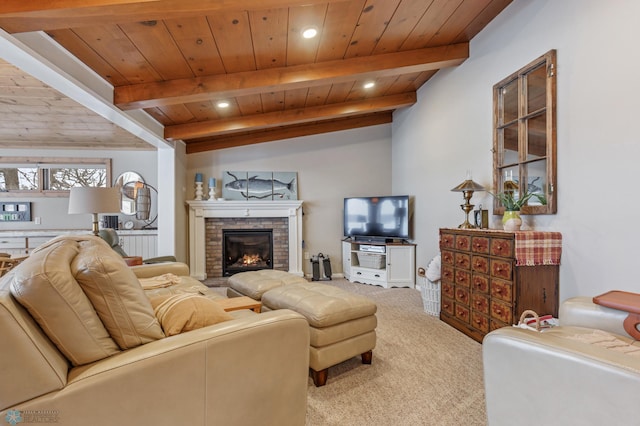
point(207, 219)
point(217, 227)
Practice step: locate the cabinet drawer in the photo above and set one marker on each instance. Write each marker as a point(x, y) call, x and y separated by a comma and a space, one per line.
point(461, 312)
point(447, 241)
point(501, 247)
point(370, 274)
point(447, 306)
point(502, 290)
point(13, 243)
point(448, 289)
point(501, 312)
point(480, 283)
point(447, 257)
point(480, 245)
point(480, 303)
point(14, 252)
point(35, 242)
point(463, 242)
point(480, 322)
point(462, 295)
point(447, 273)
point(462, 260)
point(480, 264)
point(494, 325)
point(502, 269)
point(463, 278)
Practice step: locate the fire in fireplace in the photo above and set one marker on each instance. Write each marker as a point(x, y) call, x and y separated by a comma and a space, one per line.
point(246, 250)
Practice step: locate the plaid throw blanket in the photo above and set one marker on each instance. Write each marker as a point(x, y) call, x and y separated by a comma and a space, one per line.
point(538, 248)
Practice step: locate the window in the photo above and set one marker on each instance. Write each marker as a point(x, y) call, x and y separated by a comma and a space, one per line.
point(524, 138)
point(51, 176)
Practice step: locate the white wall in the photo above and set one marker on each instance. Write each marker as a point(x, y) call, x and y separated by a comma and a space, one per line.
point(330, 167)
point(53, 210)
point(449, 131)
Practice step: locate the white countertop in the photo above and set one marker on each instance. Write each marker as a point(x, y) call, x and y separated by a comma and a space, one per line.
point(27, 233)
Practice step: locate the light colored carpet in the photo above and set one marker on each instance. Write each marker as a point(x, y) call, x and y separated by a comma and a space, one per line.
point(424, 372)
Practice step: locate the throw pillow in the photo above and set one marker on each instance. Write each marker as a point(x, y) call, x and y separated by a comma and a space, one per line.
point(185, 312)
point(116, 294)
point(44, 285)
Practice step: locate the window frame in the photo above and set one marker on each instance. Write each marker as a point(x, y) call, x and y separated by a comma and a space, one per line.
point(521, 122)
point(72, 162)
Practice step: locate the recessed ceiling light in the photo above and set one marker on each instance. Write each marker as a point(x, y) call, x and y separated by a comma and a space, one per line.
point(223, 104)
point(310, 32)
point(368, 85)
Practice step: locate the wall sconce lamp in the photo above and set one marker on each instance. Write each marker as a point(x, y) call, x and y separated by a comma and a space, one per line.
point(467, 188)
point(94, 200)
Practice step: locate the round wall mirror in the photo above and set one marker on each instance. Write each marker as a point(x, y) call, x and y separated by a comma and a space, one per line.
point(127, 197)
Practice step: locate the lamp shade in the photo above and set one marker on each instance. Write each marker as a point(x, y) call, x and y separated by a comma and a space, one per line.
point(510, 185)
point(468, 185)
point(94, 200)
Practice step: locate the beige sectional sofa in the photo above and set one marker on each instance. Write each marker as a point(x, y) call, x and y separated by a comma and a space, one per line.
point(82, 344)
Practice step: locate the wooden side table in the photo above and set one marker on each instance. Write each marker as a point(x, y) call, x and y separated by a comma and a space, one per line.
point(238, 303)
point(133, 260)
point(623, 301)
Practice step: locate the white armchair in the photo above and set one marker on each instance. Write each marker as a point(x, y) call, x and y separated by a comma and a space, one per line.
point(584, 372)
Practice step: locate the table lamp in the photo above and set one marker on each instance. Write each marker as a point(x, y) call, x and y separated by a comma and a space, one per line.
point(94, 200)
point(510, 186)
point(467, 188)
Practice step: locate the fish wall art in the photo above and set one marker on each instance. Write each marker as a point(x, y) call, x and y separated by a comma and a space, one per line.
point(260, 186)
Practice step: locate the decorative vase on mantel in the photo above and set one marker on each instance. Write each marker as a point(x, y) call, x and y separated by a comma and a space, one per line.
point(511, 221)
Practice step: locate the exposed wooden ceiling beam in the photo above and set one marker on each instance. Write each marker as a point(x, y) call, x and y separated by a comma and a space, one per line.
point(149, 95)
point(288, 117)
point(43, 15)
point(269, 135)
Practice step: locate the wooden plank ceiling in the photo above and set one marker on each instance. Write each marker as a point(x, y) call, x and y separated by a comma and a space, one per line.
point(33, 115)
point(178, 59)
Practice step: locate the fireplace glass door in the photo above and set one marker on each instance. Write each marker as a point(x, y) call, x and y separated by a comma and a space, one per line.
point(246, 250)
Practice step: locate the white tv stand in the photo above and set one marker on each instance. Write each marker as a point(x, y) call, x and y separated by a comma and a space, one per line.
point(384, 264)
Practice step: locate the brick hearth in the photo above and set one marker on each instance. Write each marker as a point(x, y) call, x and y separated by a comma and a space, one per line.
point(213, 239)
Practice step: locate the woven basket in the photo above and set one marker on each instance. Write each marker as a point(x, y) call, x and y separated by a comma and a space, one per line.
point(371, 260)
point(430, 296)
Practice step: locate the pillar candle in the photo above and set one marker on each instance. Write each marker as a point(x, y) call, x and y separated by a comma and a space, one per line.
point(212, 182)
point(198, 177)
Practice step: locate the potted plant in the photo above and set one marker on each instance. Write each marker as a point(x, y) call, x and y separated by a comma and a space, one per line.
point(511, 219)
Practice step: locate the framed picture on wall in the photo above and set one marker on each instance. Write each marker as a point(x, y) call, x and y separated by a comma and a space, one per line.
point(260, 185)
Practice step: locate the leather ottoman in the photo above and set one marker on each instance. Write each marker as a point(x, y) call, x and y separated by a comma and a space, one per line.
point(341, 324)
point(255, 283)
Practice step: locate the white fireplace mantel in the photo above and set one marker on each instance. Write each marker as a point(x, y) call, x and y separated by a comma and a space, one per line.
point(200, 210)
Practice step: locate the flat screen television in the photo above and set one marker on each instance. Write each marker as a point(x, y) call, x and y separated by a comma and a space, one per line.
point(377, 218)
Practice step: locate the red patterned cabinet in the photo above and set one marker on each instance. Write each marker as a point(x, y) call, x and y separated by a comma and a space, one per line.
point(484, 285)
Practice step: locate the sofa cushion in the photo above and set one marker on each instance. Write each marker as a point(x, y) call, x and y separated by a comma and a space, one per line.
point(322, 305)
point(45, 286)
point(116, 294)
point(255, 283)
point(187, 311)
